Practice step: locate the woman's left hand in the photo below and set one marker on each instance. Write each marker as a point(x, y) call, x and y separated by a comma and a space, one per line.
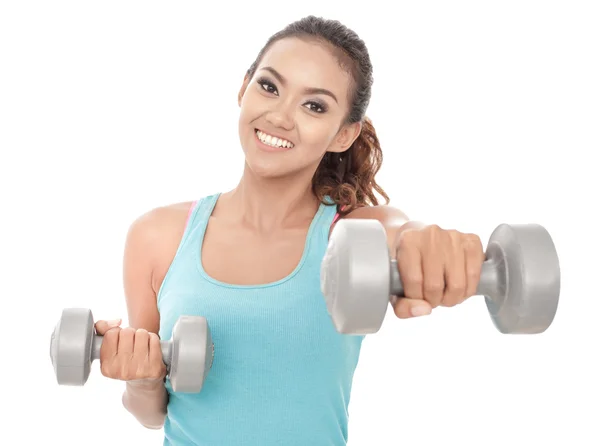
point(437, 268)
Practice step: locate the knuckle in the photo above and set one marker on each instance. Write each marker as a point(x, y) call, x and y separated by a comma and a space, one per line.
point(407, 238)
point(434, 228)
point(128, 331)
point(474, 273)
point(141, 337)
point(433, 232)
point(433, 286)
point(153, 339)
point(455, 291)
point(413, 279)
point(473, 240)
point(454, 234)
point(456, 287)
point(112, 332)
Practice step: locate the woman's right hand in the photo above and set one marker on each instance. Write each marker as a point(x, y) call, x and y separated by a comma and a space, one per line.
point(128, 354)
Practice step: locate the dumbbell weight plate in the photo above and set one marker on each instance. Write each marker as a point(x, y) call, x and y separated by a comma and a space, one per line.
point(528, 279)
point(355, 276)
point(71, 346)
point(192, 354)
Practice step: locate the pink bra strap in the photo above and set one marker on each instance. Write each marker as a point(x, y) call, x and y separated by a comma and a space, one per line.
point(190, 212)
point(337, 215)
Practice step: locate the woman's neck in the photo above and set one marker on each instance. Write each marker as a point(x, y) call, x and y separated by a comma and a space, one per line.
point(270, 204)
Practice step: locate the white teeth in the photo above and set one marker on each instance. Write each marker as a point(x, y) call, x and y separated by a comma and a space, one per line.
point(273, 141)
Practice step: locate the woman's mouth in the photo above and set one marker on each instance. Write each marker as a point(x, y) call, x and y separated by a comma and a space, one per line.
point(272, 143)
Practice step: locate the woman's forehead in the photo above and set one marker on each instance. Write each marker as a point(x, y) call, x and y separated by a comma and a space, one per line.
point(307, 63)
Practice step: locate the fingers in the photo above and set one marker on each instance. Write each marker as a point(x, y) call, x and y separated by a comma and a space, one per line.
point(109, 330)
point(455, 277)
point(103, 326)
point(129, 354)
point(409, 260)
point(157, 366)
point(474, 258)
point(126, 339)
point(109, 347)
point(439, 267)
point(141, 345)
point(433, 271)
point(405, 308)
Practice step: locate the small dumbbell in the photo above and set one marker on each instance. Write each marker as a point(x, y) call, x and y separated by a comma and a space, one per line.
point(520, 278)
point(188, 355)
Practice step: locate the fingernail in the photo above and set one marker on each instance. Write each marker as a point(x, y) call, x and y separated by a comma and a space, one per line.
point(420, 310)
point(114, 322)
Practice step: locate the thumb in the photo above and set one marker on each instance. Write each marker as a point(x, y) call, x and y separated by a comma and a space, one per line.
point(406, 308)
point(103, 326)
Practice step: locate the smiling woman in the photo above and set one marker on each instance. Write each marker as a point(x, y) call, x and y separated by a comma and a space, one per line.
point(315, 86)
point(248, 260)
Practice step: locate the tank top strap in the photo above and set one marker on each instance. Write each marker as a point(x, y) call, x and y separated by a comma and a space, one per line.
point(330, 216)
point(319, 234)
point(199, 212)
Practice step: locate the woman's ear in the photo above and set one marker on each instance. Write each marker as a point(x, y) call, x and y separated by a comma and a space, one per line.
point(346, 137)
point(243, 89)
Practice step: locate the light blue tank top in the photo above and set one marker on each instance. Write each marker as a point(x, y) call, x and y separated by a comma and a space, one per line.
point(281, 374)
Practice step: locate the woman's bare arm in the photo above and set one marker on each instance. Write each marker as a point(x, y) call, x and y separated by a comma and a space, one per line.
point(151, 243)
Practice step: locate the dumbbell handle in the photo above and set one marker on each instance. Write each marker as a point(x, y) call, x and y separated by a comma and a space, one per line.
point(165, 347)
point(491, 283)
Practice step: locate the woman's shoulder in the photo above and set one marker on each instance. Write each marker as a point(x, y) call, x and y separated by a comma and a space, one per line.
point(154, 236)
point(158, 230)
point(165, 218)
point(164, 223)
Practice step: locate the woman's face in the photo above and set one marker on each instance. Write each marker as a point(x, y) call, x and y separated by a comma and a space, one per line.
point(292, 109)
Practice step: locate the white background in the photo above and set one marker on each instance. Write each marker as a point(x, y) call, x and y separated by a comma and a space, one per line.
point(488, 112)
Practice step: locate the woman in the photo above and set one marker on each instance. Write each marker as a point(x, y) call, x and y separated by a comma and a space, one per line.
point(249, 259)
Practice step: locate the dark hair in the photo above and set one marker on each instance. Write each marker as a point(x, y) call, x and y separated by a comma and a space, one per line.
point(348, 178)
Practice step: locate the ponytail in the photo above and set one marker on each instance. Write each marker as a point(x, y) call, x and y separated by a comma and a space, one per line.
point(348, 178)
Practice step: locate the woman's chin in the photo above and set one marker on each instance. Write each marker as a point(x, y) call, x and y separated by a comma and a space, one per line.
point(265, 168)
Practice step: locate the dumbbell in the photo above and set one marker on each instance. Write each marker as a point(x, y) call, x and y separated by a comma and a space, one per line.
point(188, 356)
point(520, 277)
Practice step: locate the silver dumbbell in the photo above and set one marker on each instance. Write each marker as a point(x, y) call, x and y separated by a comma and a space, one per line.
point(188, 355)
point(520, 278)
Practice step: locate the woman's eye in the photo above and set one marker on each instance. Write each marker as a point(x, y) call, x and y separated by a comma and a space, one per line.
point(268, 87)
point(313, 106)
